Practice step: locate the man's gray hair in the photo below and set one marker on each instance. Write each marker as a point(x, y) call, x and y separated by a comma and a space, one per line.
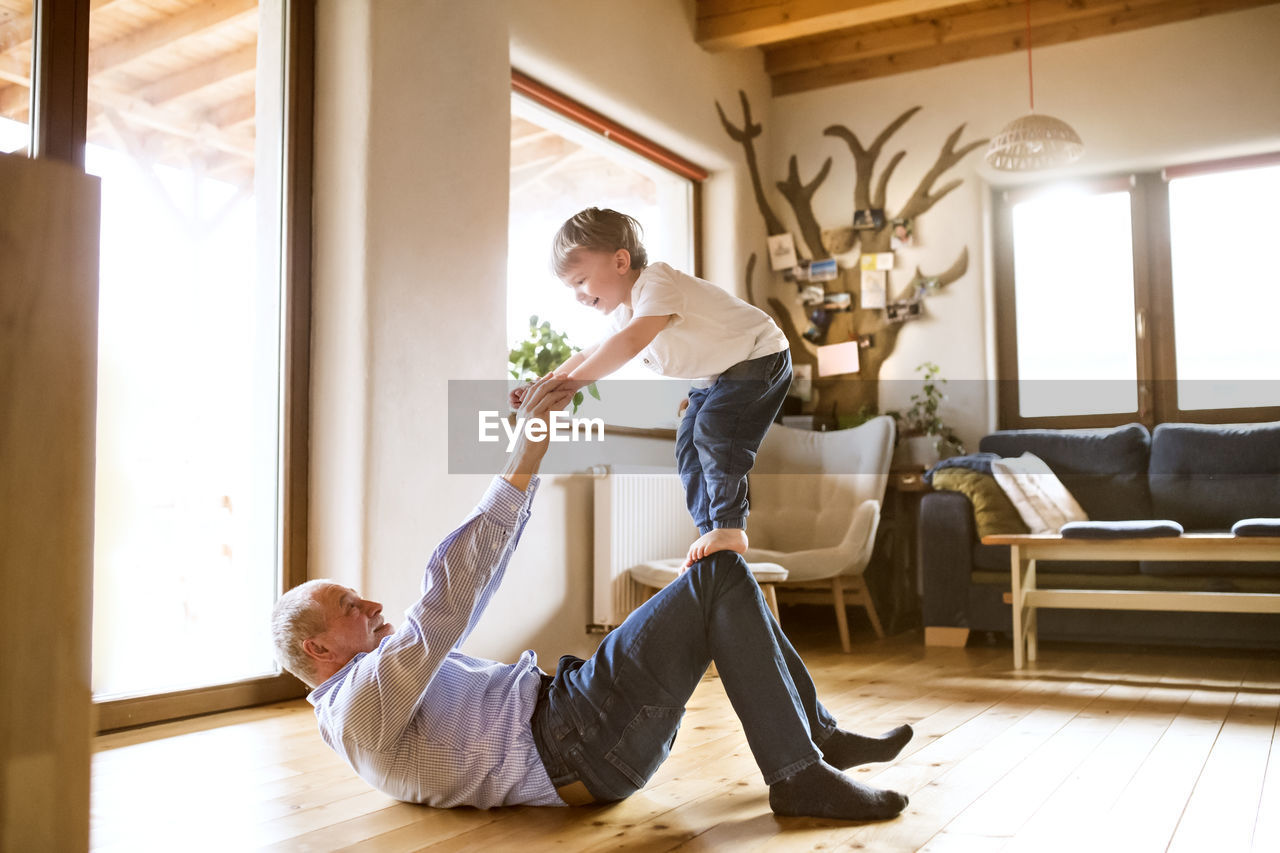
point(296, 618)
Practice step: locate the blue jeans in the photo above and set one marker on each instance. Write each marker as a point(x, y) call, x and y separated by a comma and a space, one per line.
point(610, 721)
point(719, 435)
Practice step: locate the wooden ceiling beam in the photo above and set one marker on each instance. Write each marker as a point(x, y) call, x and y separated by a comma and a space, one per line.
point(15, 102)
point(924, 31)
point(14, 98)
point(1132, 17)
point(550, 148)
point(203, 16)
point(14, 70)
point(19, 30)
point(729, 24)
point(16, 30)
point(136, 112)
point(234, 64)
point(233, 113)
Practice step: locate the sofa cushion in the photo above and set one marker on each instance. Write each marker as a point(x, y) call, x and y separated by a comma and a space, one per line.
point(995, 558)
point(1207, 476)
point(1256, 527)
point(992, 510)
point(1120, 529)
point(1104, 470)
point(1036, 492)
point(1210, 569)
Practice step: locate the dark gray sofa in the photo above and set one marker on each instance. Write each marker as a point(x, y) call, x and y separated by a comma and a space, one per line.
point(1205, 477)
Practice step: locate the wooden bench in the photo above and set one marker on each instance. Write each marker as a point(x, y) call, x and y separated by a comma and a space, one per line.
point(1026, 596)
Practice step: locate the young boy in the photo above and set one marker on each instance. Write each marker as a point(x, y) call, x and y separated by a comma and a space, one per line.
point(681, 326)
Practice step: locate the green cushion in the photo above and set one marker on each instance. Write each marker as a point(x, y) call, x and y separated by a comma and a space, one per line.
point(992, 510)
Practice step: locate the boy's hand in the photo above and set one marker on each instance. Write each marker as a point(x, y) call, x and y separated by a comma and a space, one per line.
point(517, 395)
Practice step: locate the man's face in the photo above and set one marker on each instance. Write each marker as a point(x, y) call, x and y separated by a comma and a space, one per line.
point(600, 280)
point(355, 624)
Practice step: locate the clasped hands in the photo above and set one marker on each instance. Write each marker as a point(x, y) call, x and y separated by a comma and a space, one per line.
point(538, 399)
point(557, 383)
point(562, 382)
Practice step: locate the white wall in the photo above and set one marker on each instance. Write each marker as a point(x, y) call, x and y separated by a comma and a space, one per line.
point(411, 190)
point(636, 62)
point(1176, 93)
point(412, 148)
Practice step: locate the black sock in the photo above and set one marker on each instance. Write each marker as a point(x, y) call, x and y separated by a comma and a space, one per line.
point(820, 790)
point(848, 749)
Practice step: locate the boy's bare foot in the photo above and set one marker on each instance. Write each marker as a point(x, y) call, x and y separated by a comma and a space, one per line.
point(719, 539)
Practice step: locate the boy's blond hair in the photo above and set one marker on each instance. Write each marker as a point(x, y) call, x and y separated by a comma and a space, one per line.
point(599, 230)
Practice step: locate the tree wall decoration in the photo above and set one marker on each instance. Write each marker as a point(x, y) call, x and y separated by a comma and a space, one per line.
point(872, 325)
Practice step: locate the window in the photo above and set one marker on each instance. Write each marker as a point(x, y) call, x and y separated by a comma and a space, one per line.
point(564, 158)
point(196, 117)
point(1226, 288)
point(1139, 299)
point(1060, 294)
point(183, 134)
point(16, 30)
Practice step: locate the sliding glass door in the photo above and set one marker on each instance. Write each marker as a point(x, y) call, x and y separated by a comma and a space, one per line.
point(185, 129)
point(196, 116)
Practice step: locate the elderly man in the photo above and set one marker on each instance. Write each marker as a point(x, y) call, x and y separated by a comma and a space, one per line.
point(426, 723)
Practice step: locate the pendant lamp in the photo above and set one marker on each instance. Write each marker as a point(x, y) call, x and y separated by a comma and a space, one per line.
point(1034, 141)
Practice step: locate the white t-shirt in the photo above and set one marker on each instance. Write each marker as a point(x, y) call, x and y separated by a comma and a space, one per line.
point(710, 330)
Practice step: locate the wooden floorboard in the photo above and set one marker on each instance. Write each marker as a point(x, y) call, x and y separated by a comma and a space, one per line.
point(1091, 748)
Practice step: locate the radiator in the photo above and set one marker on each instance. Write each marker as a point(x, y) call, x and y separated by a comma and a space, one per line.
point(640, 514)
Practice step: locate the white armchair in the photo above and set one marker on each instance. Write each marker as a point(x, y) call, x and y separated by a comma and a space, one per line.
point(815, 509)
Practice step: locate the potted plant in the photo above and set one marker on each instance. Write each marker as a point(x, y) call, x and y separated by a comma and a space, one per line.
point(923, 437)
point(543, 350)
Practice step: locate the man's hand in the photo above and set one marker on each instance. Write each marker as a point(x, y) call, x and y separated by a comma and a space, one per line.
point(517, 395)
point(538, 401)
point(568, 383)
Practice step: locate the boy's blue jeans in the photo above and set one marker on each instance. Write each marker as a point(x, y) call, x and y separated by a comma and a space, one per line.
point(610, 721)
point(719, 435)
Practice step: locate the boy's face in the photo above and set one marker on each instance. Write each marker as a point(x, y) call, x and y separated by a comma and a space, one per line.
point(600, 280)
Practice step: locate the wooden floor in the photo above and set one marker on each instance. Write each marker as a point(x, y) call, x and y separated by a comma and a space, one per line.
point(1090, 749)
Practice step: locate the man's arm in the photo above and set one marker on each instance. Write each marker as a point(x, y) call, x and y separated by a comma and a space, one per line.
point(379, 694)
point(616, 350)
point(540, 399)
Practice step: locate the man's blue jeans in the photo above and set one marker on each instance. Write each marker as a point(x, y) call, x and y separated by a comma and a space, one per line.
point(610, 721)
point(719, 435)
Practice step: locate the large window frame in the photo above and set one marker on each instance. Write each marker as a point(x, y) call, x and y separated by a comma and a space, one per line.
point(59, 102)
point(1157, 378)
point(593, 122)
point(540, 93)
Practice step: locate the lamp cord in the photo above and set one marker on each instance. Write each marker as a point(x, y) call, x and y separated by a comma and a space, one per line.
point(1031, 85)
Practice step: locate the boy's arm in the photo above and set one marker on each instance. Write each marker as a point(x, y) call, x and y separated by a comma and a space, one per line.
point(571, 363)
point(616, 350)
